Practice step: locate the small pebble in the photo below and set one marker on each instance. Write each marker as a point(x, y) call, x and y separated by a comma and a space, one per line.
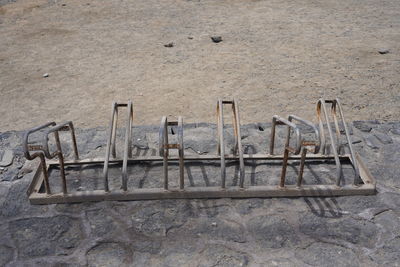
point(214, 224)
point(63, 4)
point(169, 45)
point(216, 39)
point(383, 51)
point(190, 37)
point(45, 75)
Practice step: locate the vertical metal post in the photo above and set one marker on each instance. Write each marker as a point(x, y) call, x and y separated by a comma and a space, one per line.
point(165, 156)
point(45, 173)
point(220, 120)
point(74, 145)
point(181, 154)
point(238, 141)
point(109, 144)
point(61, 161)
point(285, 158)
point(272, 139)
point(336, 123)
point(301, 169)
point(127, 149)
point(114, 131)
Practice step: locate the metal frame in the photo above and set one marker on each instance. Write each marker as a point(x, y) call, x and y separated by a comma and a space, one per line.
point(302, 151)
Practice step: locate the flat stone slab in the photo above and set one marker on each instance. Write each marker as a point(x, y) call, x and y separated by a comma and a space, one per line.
point(7, 158)
point(330, 231)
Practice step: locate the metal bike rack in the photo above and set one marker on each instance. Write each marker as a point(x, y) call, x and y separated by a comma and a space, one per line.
point(303, 150)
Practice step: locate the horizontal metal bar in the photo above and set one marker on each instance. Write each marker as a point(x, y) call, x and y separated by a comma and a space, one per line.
point(204, 192)
point(203, 157)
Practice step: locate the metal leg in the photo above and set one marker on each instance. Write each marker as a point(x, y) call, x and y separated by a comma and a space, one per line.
point(108, 148)
point(181, 154)
point(220, 120)
point(301, 169)
point(45, 174)
point(61, 161)
point(127, 149)
point(285, 158)
point(238, 142)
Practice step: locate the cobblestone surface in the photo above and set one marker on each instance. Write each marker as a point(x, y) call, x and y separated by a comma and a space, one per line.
point(341, 231)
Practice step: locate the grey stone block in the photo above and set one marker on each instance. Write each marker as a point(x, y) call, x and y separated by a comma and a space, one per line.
point(109, 254)
point(329, 255)
point(383, 138)
point(372, 142)
point(7, 158)
point(58, 235)
point(346, 229)
point(6, 255)
point(388, 254)
point(272, 232)
point(219, 255)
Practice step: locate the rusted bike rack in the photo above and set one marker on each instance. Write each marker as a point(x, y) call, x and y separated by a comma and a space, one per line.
point(297, 147)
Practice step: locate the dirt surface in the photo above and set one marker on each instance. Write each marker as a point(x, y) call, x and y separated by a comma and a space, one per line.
point(276, 57)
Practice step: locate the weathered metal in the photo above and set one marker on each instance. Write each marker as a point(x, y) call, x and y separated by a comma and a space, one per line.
point(304, 150)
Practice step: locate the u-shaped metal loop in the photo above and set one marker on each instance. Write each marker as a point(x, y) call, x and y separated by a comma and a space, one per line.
point(321, 107)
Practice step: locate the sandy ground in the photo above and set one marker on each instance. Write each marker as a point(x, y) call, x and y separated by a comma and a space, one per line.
point(276, 57)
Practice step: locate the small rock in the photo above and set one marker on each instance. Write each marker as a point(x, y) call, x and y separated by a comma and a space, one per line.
point(362, 126)
point(190, 38)
point(7, 158)
point(216, 39)
point(45, 75)
point(383, 51)
point(372, 142)
point(169, 44)
point(107, 254)
point(63, 4)
point(214, 224)
point(325, 254)
point(395, 131)
point(219, 255)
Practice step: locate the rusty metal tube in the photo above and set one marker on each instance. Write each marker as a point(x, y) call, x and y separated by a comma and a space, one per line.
point(301, 169)
point(128, 132)
point(339, 172)
point(239, 142)
point(221, 144)
point(181, 154)
point(108, 148)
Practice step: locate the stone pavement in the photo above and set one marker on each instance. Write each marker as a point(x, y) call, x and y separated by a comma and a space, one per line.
point(332, 231)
